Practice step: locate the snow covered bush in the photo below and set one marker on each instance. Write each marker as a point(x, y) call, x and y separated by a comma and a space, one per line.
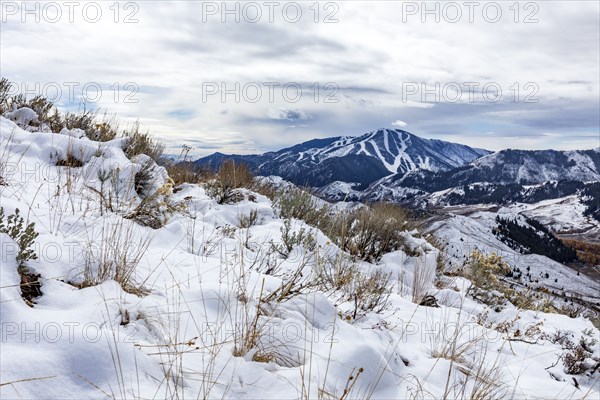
point(23, 116)
point(11, 102)
point(154, 209)
point(83, 120)
point(335, 273)
point(154, 187)
point(362, 291)
point(248, 221)
point(23, 235)
point(47, 114)
point(371, 292)
point(579, 358)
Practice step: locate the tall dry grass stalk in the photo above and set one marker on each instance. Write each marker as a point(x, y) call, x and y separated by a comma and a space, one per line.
point(113, 252)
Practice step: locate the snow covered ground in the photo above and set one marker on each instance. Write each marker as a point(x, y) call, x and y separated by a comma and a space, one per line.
point(202, 327)
point(563, 216)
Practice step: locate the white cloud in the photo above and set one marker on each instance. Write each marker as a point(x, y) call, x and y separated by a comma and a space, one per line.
point(399, 123)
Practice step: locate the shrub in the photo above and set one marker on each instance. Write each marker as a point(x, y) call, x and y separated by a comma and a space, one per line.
point(4, 95)
point(335, 273)
point(367, 291)
point(144, 179)
point(530, 300)
point(101, 130)
point(372, 292)
point(579, 358)
point(83, 120)
point(368, 233)
point(24, 235)
point(154, 209)
point(70, 159)
point(293, 283)
point(291, 239)
point(230, 176)
point(39, 105)
point(42, 107)
point(266, 188)
point(104, 130)
point(248, 221)
point(142, 143)
point(483, 270)
point(299, 204)
point(156, 203)
point(184, 172)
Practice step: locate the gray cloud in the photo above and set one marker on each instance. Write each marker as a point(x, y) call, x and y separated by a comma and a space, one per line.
point(289, 115)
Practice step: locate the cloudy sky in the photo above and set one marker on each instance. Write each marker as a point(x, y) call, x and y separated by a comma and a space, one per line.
point(248, 77)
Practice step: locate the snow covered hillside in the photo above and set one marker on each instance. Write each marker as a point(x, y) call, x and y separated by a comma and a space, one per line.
point(464, 233)
point(155, 290)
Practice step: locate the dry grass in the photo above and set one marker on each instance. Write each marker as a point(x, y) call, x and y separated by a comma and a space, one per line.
point(367, 291)
point(114, 253)
point(423, 275)
point(249, 329)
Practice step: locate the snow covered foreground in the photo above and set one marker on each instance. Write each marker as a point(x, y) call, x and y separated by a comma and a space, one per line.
point(203, 277)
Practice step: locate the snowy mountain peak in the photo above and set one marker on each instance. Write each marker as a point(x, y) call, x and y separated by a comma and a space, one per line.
point(360, 159)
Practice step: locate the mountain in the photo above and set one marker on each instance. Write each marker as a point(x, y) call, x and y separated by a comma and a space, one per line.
point(359, 160)
point(395, 165)
point(506, 167)
point(508, 176)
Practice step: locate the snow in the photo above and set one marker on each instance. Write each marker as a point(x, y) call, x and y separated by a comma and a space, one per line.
point(562, 216)
point(203, 277)
point(22, 116)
